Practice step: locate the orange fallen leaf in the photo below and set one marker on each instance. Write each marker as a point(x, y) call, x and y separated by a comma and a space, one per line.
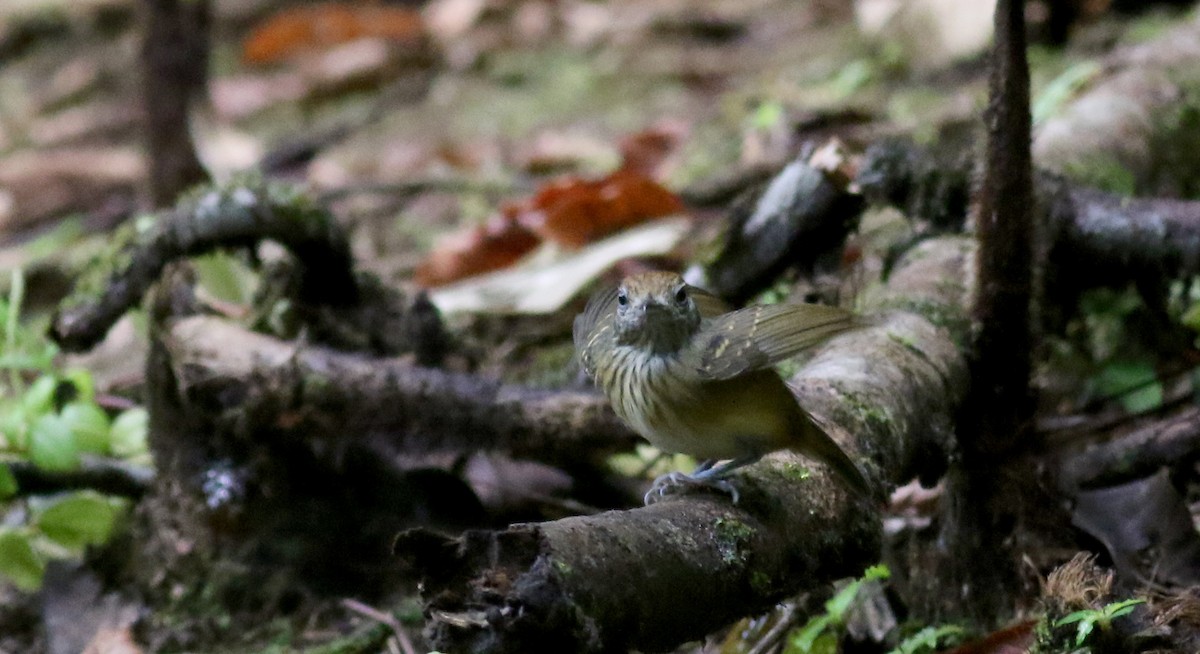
point(496, 244)
point(575, 212)
point(323, 26)
point(570, 212)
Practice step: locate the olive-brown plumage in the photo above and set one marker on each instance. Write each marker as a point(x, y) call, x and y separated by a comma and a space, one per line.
point(693, 377)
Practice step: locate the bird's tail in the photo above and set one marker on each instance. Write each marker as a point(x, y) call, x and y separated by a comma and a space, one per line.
point(817, 444)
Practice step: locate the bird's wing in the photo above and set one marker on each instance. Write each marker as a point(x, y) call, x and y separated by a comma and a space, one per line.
point(709, 305)
point(761, 336)
point(596, 322)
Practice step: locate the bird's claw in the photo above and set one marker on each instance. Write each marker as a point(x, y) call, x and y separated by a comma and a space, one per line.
point(673, 481)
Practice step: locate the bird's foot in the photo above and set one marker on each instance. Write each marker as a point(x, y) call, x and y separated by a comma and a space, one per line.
point(674, 481)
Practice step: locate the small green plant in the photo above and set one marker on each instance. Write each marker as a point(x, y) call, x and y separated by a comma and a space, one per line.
point(1089, 619)
point(820, 635)
point(56, 528)
point(49, 418)
point(929, 639)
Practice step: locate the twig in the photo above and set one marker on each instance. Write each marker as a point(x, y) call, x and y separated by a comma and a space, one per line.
point(771, 639)
point(417, 186)
point(105, 475)
point(1165, 442)
point(384, 618)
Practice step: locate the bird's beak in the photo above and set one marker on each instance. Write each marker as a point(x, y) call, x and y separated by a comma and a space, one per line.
point(637, 316)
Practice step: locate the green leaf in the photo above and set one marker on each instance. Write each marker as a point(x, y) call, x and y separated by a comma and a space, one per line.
point(8, 483)
point(841, 601)
point(877, 572)
point(1191, 317)
point(768, 115)
point(16, 294)
point(1085, 629)
point(827, 643)
point(1134, 383)
point(85, 386)
point(805, 638)
point(128, 436)
point(89, 425)
point(1074, 617)
point(81, 519)
point(1122, 608)
point(1143, 399)
point(39, 397)
point(14, 428)
point(18, 561)
point(225, 276)
point(853, 76)
point(52, 444)
point(928, 639)
point(1061, 89)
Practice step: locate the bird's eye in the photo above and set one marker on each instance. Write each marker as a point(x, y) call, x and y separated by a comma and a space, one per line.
point(622, 299)
point(681, 295)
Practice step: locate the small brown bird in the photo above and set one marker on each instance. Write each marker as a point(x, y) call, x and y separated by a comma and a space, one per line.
point(691, 376)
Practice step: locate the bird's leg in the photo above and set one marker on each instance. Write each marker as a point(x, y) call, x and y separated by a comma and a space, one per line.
point(723, 470)
point(704, 465)
point(706, 475)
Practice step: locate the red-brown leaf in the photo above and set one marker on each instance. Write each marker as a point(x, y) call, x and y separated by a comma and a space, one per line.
point(575, 212)
point(496, 244)
point(322, 26)
point(1014, 639)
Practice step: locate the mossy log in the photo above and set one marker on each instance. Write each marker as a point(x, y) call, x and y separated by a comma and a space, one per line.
point(252, 383)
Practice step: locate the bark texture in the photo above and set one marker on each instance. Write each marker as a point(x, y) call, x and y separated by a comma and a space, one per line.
point(1000, 404)
point(250, 384)
point(997, 415)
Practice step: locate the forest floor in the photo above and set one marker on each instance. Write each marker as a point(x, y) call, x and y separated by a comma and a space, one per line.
point(415, 132)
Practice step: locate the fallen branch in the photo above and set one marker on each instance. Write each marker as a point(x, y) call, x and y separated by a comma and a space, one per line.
point(653, 577)
point(1095, 238)
point(798, 219)
point(1115, 238)
point(1136, 454)
point(253, 384)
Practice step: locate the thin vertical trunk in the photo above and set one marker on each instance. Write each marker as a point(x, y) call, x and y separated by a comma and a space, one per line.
point(996, 417)
point(175, 51)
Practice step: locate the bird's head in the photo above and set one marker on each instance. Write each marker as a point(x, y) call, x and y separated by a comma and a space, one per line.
point(656, 312)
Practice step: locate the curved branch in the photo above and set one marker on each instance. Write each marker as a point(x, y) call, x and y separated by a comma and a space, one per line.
point(235, 215)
